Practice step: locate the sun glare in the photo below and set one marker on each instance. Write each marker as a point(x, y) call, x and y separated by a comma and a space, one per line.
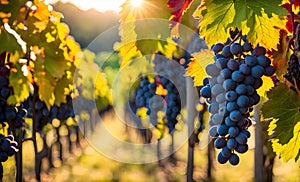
point(136, 3)
point(102, 6)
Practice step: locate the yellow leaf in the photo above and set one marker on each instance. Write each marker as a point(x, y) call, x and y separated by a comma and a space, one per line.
point(267, 85)
point(291, 149)
point(196, 68)
point(265, 33)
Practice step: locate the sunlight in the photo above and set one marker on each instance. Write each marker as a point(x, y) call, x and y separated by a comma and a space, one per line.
point(136, 3)
point(102, 6)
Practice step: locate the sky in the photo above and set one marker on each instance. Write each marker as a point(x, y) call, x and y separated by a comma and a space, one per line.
point(99, 5)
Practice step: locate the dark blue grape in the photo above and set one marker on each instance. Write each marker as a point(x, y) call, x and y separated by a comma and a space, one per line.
point(226, 152)
point(241, 148)
point(217, 48)
point(229, 122)
point(250, 90)
point(226, 51)
point(5, 92)
point(245, 69)
point(230, 95)
point(257, 83)
point(229, 84)
point(5, 145)
point(237, 76)
point(221, 63)
point(233, 131)
point(246, 132)
point(259, 51)
point(232, 106)
point(205, 81)
point(212, 70)
point(217, 56)
point(235, 115)
point(220, 143)
point(233, 64)
point(241, 89)
point(213, 131)
point(243, 101)
point(234, 159)
point(257, 71)
point(213, 108)
point(222, 159)
point(249, 80)
point(241, 139)
point(3, 156)
point(250, 60)
point(236, 49)
point(269, 71)
point(226, 73)
point(231, 143)
point(247, 47)
point(205, 91)
point(263, 61)
point(223, 129)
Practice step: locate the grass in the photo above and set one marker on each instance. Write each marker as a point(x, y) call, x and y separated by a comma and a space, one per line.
point(87, 164)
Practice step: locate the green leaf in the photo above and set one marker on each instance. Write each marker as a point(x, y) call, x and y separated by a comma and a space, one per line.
point(291, 150)
point(62, 89)
point(216, 17)
point(256, 18)
point(45, 82)
point(284, 105)
point(9, 42)
point(19, 83)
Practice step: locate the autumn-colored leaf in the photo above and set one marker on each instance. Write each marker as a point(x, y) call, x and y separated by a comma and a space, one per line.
point(20, 81)
point(196, 68)
point(218, 16)
point(281, 55)
point(284, 105)
point(179, 8)
point(288, 151)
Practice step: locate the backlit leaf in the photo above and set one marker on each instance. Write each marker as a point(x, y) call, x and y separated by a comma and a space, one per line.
point(284, 105)
point(196, 68)
point(20, 83)
point(258, 19)
point(290, 150)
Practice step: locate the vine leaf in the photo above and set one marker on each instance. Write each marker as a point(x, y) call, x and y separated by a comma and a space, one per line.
point(284, 105)
point(63, 88)
point(9, 42)
point(127, 47)
point(20, 84)
point(258, 19)
point(291, 150)
point(196, 68)
point(179, 8)
point(281, 56)
point(267, 85)
point(45, 82)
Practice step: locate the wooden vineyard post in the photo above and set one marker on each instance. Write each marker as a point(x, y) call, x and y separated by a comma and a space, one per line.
point(258, 152)
point(191, 114)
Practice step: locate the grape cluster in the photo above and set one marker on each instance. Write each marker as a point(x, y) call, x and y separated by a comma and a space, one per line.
point(173, 71)
point(143, 94)
point(43, 115)
point(8, 147)
point(9, 113)
point(173, 101)
point(231, 91)
point(293, 72)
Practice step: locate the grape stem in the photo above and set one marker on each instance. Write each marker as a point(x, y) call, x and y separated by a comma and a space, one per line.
point(239, 35)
